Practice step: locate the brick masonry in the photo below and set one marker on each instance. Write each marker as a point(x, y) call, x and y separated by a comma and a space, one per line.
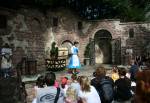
point(30, 32)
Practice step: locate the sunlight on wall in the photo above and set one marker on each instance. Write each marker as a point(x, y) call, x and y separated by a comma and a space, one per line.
point(50, 39)
point(99, 57)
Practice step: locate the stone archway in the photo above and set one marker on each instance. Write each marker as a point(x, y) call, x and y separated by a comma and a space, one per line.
point(103, 47)
point(68, 44)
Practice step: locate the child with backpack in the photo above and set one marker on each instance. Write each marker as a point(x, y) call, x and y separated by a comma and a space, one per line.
point(104, 85)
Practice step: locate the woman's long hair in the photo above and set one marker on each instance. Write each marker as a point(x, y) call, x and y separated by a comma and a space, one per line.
point(71, 92)
point(85, 84)
point(143, 86)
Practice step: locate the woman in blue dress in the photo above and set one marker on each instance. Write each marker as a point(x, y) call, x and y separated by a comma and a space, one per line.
point(74, 62)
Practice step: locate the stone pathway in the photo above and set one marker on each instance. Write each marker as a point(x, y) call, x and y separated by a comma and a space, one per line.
point(85, 70)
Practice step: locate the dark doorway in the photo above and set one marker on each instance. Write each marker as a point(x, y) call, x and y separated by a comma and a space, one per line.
point(103, 47)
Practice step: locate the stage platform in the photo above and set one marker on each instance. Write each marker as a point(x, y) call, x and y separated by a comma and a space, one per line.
point(85, 70)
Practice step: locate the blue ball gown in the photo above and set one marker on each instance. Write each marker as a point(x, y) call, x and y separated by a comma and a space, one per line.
point(74, 62)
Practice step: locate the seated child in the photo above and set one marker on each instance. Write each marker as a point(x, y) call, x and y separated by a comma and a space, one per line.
point(71, 95)
point(115, 74)
point(64, 84)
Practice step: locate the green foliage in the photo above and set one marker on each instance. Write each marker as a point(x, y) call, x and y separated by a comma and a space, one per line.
point(134, 14)
point(130, 10)
point(147, 12)
point(87, 51)
point(54, 51)
point(126, 10)
point(45, 2)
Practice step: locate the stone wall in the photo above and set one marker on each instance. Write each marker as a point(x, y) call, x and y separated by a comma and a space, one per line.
point(30, 32)
point(139, 42)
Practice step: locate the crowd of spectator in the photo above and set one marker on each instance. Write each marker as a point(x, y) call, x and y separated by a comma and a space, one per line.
point(123, 86)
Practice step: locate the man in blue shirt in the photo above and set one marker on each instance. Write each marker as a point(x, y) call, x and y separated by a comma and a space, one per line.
point(133, 70)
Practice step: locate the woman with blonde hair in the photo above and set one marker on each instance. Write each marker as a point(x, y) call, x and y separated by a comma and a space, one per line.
point(71, 95)
point(87, 93)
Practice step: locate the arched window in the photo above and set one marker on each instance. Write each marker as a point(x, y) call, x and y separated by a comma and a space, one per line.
point(3, 22)
point(131, 33)
point(55, 21)
point(36, 24)
point(80, 26)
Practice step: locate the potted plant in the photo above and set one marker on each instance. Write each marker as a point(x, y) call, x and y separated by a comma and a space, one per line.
point(54, 51)
point(87, 54)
